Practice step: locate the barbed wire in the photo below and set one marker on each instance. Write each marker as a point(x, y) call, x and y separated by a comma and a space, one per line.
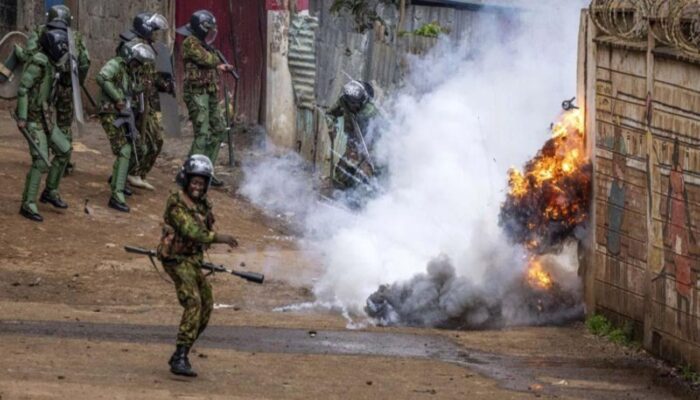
point(674, 23)
point(626, 19)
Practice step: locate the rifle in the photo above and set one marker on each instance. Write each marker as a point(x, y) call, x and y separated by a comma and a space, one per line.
point(222, 58)
point(211, 267)
point(227, 100)
point(31, 141)
point(126, 118)
point(360, 134)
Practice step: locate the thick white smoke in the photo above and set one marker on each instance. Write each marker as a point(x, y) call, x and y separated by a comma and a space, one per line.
point(468, 112)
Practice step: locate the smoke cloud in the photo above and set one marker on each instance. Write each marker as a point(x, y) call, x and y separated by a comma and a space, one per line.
point(467, 112)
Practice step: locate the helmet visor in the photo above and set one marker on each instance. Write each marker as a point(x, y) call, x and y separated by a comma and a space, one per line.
point(211, 35)
point(157, 22)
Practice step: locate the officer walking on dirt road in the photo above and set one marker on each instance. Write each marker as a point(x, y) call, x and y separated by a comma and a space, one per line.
point(187, 233)
point(36, 117)
point(150, 125)
point(121, 105)
point(59, 17)
point(201, 86)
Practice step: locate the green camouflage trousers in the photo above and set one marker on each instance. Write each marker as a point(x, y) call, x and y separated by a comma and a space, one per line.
point(195, 296)
point(61, 147)
point(64, 111)
point(151, 144)
point(123, 150)
point(207, 118)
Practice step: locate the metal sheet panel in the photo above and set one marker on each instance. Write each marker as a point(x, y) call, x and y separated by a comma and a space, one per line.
point(242, 40)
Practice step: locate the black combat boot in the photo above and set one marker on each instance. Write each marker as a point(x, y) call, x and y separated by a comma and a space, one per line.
point(55, 201)
point(29, 214)
point(179, 363)
point(118, 205)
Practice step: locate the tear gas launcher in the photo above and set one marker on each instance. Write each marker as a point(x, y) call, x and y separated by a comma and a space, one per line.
point(211, 267)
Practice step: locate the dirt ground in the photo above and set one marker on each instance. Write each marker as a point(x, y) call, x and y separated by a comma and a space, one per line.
point(82, 319)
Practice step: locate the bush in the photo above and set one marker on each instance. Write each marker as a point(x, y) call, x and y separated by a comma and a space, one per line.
point(598, 325)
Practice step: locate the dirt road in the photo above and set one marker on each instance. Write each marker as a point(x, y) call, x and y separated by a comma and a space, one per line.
point(81, 319)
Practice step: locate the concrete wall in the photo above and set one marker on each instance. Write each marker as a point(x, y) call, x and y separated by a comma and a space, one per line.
point(280, 108)
point(101, 22)
point(8, 16)
point(643, 125)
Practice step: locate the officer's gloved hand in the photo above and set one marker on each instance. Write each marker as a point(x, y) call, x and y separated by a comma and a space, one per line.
point(227, 239)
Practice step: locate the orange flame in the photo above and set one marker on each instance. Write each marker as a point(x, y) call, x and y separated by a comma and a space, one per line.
point(563, 157)
point(537, 277)
point(550, 196)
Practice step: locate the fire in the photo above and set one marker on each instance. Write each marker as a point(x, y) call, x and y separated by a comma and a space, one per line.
point(549, 198)
point(537, 277)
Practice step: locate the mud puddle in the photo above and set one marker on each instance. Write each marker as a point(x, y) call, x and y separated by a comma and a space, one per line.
point(541, 375)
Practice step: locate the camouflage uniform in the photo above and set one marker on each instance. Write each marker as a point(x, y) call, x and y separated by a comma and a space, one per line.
point(150, 121)
point(64, 94)
point(191, 224)
point(202, 98)
point(354, 156)
point(118, 83)
point(150, 124)
point(36, 103)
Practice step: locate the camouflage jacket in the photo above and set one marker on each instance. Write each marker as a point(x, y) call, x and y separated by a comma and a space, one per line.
point(200, 66)
point(118, 84)
point(188, 227)
point(150, 79)
point(37, 88)
point(83, 55)
point(363, 117)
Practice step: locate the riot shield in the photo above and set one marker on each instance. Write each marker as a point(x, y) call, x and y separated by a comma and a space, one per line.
point(168, 102)
point(75, 77)
point(11, 69)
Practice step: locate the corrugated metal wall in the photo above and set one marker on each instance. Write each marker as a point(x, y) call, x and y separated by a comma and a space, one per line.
point(378, 56)
point(644, 123)
point(241, 39)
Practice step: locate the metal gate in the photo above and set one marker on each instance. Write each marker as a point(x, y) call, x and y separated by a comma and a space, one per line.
point(242, 27)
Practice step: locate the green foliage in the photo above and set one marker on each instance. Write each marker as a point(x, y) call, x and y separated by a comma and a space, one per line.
point(364, 12)
point(688, 374)
point(432, 29)
point(600, 326)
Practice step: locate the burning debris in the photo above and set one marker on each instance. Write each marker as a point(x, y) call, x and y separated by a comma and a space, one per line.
point(548, 201)
point(544, 211)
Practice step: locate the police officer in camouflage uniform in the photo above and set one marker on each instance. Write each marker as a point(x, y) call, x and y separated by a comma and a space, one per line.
point(187, 233)
point(201, 86)
point(356, 107)
point(144, 25)
point(121, 94)
point(59, 17)
point(37, 103)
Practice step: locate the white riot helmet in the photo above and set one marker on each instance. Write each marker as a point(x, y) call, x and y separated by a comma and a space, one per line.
point(196, 165)
point(355, 94)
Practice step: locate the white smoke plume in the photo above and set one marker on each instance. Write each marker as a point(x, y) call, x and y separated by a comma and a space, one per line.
point(468, 112)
